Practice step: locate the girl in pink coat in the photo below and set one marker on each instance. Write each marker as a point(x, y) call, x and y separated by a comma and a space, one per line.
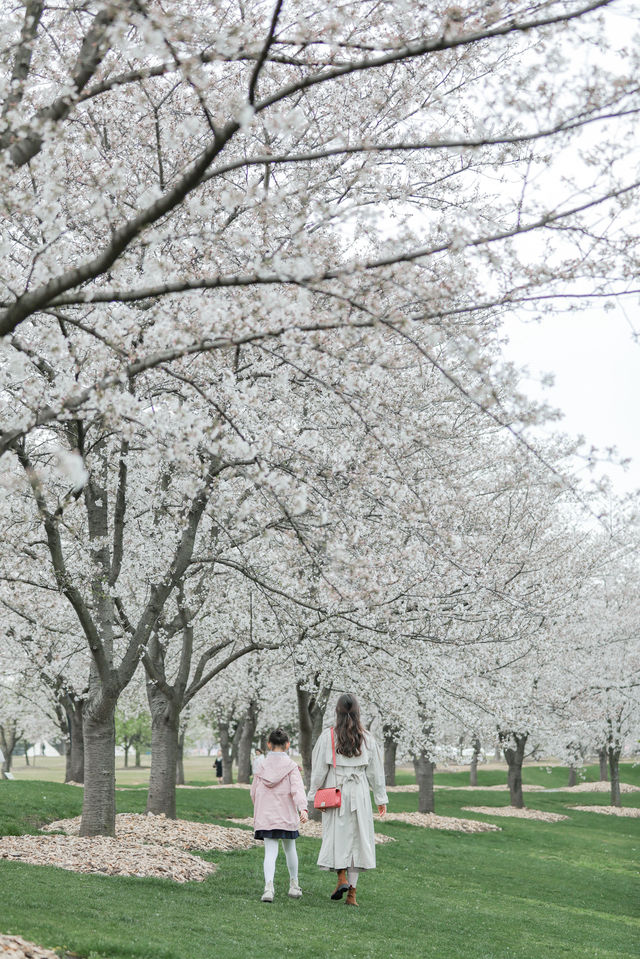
point(279, 806)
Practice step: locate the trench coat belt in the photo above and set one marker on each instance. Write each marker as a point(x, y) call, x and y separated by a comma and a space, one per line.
point(351, 780)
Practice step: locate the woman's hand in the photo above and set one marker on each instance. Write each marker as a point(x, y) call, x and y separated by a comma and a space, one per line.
point(304, 816)
point(382, 811)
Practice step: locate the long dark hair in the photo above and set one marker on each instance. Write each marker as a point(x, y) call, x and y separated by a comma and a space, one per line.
point(349, 728)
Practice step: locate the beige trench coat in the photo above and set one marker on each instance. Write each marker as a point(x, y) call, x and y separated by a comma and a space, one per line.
point(347, 832)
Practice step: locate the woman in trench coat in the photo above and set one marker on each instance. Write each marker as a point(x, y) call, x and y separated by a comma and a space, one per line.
point(348, 843)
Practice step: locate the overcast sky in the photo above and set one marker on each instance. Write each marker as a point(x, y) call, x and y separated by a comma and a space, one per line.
point(596, 364)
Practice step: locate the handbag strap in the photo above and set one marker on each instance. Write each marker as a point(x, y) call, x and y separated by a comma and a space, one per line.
point(333, 747)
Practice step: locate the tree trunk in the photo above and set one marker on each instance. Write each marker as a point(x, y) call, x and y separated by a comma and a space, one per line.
point(614, 769)
point(138, 757)
point(180, 760)
point(424, 775)
point(311, 708)
point(245, 743)
point(390, 749)
point(126, 756)
point(74, 771)
point(515, 757)
point(225, 749)
point(99, 802)
point(165, 730)
point(473, 768)
point(26, 753)
point(8, 740)
point(602, 760)
point(573, 776)
point(305, 732)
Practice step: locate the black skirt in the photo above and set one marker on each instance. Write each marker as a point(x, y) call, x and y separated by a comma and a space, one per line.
point(276, 834)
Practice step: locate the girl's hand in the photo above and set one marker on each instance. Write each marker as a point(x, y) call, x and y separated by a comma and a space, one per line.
point(382, 810)
point(304, 816)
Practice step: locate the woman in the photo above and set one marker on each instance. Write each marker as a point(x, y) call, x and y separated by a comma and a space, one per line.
point(348, 843)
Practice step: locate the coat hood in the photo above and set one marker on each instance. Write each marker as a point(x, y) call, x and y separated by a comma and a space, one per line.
point(274, 769)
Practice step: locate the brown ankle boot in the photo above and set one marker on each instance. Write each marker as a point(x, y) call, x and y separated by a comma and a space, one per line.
point(351, 896)
point(342, 886)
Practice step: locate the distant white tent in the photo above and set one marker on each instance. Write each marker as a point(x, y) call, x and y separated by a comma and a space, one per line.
point(43, 748)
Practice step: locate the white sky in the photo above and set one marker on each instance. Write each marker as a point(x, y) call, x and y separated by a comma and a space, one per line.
point(596, 364)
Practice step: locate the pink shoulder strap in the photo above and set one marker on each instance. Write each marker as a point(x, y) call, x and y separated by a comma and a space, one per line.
point(333, 748)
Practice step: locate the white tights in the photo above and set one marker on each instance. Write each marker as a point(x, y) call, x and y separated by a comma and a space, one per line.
point(352, 875)
point(271, 848)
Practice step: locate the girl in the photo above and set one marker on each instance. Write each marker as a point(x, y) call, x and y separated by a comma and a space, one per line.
point(278, 797)
point(348, 843)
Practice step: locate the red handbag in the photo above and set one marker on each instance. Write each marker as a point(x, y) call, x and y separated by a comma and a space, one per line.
point(331, 797)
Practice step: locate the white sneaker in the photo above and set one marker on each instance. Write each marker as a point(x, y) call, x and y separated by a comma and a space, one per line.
point(294, 889)
point(267, 895)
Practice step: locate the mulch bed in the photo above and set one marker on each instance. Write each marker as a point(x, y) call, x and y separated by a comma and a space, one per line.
point(103, 854)
point(536, 814)
point(597, 787)
point(629, 811)
point(143, 846)
point(313, 830)
point(431, 821)
point(13, 947)
point(177, 833)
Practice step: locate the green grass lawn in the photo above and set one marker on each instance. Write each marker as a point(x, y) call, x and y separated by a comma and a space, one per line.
point(532, 891)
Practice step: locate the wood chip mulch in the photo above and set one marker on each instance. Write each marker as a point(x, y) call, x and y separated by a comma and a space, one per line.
point(498, 788)
point(413, 788)
point(143, 846)
point(13, 947)
point(106, 855)
point(630, 811)
point(431, 821)
point(313, 830)
point(537, 814)
point(177, 833)
point(597, 787)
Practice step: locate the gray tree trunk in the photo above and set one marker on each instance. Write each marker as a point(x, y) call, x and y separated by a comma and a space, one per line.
point(573, 776)
point(126, 756)
point(614, 769)
point(602, 761)
point(99, 802)
point(74, 766)
point(473, 768)
point(515, 758)
point(225, 749)
point(424, 768)
point(8, 741)
point(165, 723)
point(245, 742)
point(138, 757)
point(390, 750)
point(180, 762)
point(311, 706)
point(305, 730)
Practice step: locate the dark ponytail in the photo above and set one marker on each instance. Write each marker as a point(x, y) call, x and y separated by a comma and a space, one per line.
point(349, 729)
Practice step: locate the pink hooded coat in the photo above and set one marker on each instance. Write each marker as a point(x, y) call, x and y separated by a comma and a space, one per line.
point(278, 793)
